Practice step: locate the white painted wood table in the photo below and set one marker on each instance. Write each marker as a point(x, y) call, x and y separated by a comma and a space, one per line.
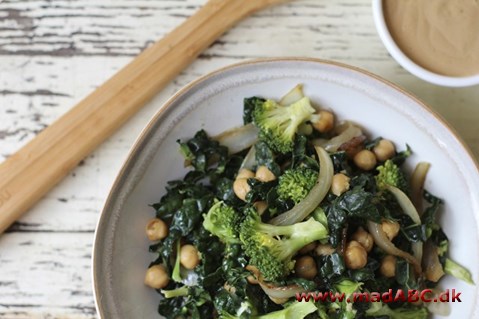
point(53, 53)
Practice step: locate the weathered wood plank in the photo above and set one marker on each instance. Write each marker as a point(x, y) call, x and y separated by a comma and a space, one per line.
point(46, 276)
point(39, 89)
point(53, 53)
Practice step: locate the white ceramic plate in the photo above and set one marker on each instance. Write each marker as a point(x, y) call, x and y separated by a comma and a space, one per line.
point(215, 103)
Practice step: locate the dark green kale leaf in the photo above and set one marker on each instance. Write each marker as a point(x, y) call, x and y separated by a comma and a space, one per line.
point(415, 233)
point(356, 204)
point(211, 251)
point(197, 304)
point(234, 264)
point(189, 216)
point(359, 203)
point(224, 191)
point(306, 284)
point(365, 181)
point(166, 249)
point(337, 219)
point(341, 163)
point(429, 217)
point(265, 156)
point(303, 154)
point(405, 275)
point(332, 266)
point(240, 294)
point(259, 190)
point(369, 145)
point(204, 154)
point(401, 157)
point(249, 104)
point(366, 273)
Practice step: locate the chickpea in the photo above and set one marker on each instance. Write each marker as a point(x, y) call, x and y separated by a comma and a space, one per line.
point(306, 249)
point(388, 266)
point(305, 267)
point(340, 184)
point(384, 150)
point(364, 238)
point(245, 173)
point(189, 256)
point(355, 256)
point(264, 174)
point(241, 188)
point(325, 122)
point(391, 228)
point(156, 229)
point(261, 207)
point(365, 160)
point(156, 277)
point(229, 288)
point(324, 250)
point(252, 280)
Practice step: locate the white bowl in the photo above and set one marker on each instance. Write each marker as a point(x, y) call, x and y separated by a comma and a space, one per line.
point(215, 103)
point(407, 63)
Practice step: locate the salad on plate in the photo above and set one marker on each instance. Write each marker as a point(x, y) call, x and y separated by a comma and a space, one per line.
point(293, 204)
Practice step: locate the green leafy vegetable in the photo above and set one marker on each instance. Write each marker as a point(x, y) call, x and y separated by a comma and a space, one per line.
point(250, 104)
point(297, 310)
point(456, 270)
point(380, 310)
point(237, 246)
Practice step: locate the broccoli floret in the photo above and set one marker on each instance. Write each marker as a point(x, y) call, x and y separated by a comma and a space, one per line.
point(279, 124)
point(271, 254)
point(391, 174)
point(347, 287)
point(296, 183)
point(222, 221)
point(297, 310)
point(377, 309)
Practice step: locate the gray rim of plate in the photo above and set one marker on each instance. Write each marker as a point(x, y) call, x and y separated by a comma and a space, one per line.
point(144, 149)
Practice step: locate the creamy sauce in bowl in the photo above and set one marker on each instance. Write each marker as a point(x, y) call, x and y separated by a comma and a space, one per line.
point(440, 35)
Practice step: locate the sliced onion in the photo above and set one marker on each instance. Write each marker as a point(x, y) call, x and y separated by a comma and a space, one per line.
point(277, 292)
point(405, 203)
point(350, 132)
point(432, 266)
point(381, 240)
point(314, 197)
point(249, 161)
point(417, 250)
point(280, 292)
point(292, 96)
point(239, 138)
point(417, 184)
point(409, 209)
point(319, 141)
point(438, 308)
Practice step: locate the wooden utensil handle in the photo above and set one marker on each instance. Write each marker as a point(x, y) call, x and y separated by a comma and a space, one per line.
point(28, 174)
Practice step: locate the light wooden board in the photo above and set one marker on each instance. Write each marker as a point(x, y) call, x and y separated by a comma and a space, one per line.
point(52, 53)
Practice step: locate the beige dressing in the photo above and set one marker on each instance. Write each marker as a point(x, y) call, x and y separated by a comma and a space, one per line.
point(440, 35)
